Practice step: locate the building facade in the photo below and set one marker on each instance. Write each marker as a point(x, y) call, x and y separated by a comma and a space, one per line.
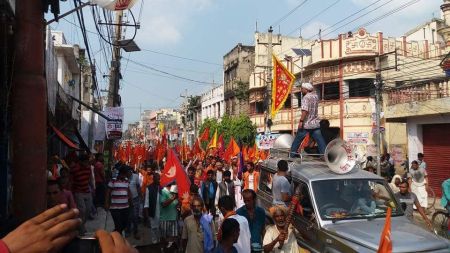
point(420, 99)
point(259, 79)
point(213, 104)
point(237, 67)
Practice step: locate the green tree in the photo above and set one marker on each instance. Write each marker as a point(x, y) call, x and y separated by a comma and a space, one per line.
point(242, 90)
point(241, 128)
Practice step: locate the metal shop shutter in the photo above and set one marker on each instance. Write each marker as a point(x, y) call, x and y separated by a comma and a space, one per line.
point(436, 149)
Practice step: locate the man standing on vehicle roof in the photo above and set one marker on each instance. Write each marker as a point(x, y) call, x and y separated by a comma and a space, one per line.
point(309, 120)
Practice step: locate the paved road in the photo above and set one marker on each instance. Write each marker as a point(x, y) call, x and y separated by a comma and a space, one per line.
point(105, 221)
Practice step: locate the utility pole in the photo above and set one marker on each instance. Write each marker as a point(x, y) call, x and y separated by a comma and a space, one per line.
point(114, 81)
point(115, 64)
point(378, 102)
point(378, 86)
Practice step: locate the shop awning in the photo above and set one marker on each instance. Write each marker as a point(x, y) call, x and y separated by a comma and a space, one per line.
point(64, 138)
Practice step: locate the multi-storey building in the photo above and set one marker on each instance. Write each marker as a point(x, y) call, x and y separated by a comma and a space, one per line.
point(237, 67)
point(420, 95)
point(213, 103)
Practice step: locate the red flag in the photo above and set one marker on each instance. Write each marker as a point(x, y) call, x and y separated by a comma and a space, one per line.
point(281, 85)
point(174, 172)
point(197, 149)
point(232, 150)
point(205, 135)
point(385, 240)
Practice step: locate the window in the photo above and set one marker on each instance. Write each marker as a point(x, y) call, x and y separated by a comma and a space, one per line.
point(330, 91)
point(353, 199)
point(259, 107)
point(287, 104)
point(306, 209)
point(361, 87)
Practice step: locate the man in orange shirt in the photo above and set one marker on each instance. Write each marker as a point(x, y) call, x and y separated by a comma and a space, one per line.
point(251, 177)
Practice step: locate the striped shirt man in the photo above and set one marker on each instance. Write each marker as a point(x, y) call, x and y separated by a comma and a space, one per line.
point(81, 175)
point(119, 193)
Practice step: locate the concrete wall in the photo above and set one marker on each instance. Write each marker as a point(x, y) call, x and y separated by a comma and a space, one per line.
point(427, 31)
point(414, 130)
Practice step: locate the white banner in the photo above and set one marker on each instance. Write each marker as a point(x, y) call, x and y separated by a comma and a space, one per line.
point(114, 128)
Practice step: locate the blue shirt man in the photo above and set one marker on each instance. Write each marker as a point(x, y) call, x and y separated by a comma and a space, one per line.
point(255, 215)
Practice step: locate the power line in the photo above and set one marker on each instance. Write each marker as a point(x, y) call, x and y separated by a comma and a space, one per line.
point(315, 16)
point(180, 57)
point(340, 21)
point(172, 75)
point(289, 13)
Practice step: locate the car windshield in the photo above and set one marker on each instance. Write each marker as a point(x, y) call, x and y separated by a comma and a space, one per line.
point(354, 199)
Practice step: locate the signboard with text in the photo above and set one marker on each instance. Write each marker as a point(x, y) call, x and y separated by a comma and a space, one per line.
point(114, 126)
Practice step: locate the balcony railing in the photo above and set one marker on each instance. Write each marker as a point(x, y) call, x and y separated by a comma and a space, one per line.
point(419, 92)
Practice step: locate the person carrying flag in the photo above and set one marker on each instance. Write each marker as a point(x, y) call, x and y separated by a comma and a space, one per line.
point(309, 120)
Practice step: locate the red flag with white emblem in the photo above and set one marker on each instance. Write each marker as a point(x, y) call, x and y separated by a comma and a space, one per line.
point(281, 85)
point(174, 172)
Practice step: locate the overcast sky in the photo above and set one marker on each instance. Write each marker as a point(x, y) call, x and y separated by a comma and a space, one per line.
point(200, 32)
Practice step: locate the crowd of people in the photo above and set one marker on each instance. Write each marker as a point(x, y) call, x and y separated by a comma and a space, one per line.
point(220, 214)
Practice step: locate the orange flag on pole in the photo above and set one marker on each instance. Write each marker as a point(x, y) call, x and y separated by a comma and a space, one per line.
point(385, 240)
point(281, 85)
point(205, 135)
point(232, 150)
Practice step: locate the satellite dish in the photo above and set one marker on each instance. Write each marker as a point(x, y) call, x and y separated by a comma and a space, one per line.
point(115, 5)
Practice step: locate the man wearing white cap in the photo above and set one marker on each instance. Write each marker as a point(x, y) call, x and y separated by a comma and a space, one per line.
point(309, 120)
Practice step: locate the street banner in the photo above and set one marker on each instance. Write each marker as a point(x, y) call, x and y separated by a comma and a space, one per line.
point(114, 126)
point(281, 85)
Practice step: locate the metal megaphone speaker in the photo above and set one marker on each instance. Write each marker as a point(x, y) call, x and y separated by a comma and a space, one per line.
point(340, 156)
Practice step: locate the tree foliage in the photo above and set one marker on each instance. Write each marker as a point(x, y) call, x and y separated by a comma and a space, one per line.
point(241, 128)
point(242, 90)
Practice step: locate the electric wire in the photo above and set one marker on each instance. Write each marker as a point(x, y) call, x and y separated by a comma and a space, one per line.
point(315, 16)
point(289, 13)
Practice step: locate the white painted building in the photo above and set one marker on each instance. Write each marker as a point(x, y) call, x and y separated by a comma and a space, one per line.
point(213, 103)
point(68, 74)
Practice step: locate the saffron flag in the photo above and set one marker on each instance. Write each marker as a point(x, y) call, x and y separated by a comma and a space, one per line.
point(385, 240)
point(213, 142)
point(232, 150)
point(174, 172)
point(205, 135)
point(281, 85)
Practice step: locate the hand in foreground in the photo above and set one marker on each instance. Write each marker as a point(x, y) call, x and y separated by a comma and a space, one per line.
point(113, 242)
point(282, 237)
point(47, 232)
